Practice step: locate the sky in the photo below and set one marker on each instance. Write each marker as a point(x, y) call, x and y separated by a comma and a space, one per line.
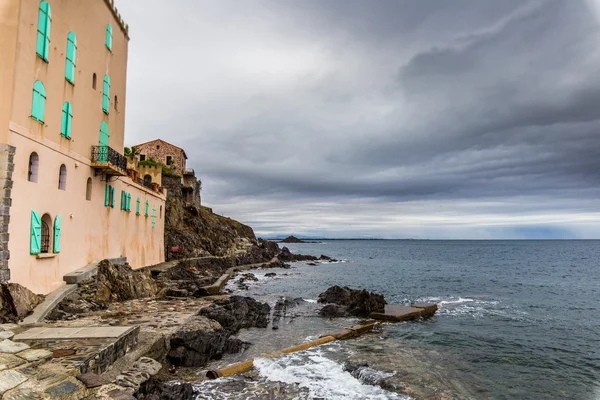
point(457, 119)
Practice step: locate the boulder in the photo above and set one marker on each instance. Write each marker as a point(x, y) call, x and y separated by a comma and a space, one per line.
point(237, 312)
point(281, 307)
point(286, 255)
point(359, 303)
point(116, 282)
point(333, 310)
point(16, 302)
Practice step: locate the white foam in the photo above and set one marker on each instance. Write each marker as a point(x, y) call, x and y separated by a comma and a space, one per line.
point(310, 300)
point(322, 377)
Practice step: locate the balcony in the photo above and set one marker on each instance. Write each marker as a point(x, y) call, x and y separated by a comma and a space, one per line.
point(106, 160)
point(189, 171)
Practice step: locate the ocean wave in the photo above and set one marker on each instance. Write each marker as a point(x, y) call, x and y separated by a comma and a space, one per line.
point(321, 376)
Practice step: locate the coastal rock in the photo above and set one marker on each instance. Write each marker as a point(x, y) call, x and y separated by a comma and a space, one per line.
point(359, 303)
point(238, 312)
point(292, 239)
point(169, 391)
point(188, 277)
point(270, 274)
point(333, 310)
point(281, 307)
point(286, 255)
point(16, 302)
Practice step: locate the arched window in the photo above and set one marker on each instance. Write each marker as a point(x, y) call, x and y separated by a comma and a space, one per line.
point(116, 102)
point(67, 120)
point(147, 180)
point(160, 215)
point(94, 78)
point(32, 174)
point(88, 189)
point(106, 94)
point(46, 238)
point(109, 37)
point(38, 103)
point(43, 35)
point(62, 178)
point(71, 57)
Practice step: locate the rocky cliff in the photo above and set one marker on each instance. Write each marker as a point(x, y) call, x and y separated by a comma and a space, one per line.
point(197, 231)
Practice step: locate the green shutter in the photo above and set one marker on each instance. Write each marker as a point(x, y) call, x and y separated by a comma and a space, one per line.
point(146, 211)
point(43, 35)
point(109, 37)
point(106, 195)
point(112, 199)
point(57, 234)
point(35, 241)
point(137, 206)
point(128, 202)
point(67, 120)
point(38, 103)
point(122, 199)
point(106, 94)
point(71, 57)
point(153, 216)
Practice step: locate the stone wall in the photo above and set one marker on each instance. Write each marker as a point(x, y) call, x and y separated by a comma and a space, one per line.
point(7, 154)
point(158, 150)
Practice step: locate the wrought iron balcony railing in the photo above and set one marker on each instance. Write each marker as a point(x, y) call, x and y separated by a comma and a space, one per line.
point(108, 155)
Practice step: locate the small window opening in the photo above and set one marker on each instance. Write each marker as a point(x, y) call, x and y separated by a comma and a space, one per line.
point(88, 189)
point(62, 178)
point(45, 242)
point(94, 78)
point(169, 160)
point(32, 175)
point(157, 147)
point(142, 157)
point(160, 213)
point(147, 180)
point(116, 103)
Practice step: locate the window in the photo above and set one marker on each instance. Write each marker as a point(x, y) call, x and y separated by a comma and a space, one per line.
point(160, 215)
point(71, 57)
point(137, 206)
point(94, 78)
point(157, 147)
point(43, 35)
point(146, 211)
point(112, 198)
point(142, 157)
point(128, 202)
point(109, 37)
point(38, 103)
point(67, 120)
point(116, 103)
point(45, 238)
point(62, 177)
point(169, 160)
point(123, 200)
point(88, 189)
point(147, 180)
point(106, 94)
point(32, 174)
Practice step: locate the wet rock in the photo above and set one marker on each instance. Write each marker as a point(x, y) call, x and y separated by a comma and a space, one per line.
point(241, 282)
point(169, 391)
point(16, 302)
point(91, 380)
point(359, 303)
point(287, 256)
point(238, 312)
point(333, 310)
point(270, 274)
point(281, 307)
point(312, 264)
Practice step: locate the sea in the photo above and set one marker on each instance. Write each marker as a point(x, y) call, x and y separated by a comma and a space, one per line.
point(516, 320)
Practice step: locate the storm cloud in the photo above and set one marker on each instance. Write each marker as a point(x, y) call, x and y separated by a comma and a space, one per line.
point(389, 118)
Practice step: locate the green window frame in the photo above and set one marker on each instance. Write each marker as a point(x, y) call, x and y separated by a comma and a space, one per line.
point(57, 229)
point(137, 206)
point(106, 94)
point(35, 242)
point(146, 211)
point(112, 198)
point(123, 200)
point(107, 195)
point(153, 216)
point(109, 37)
point(43, 31)
point(38, 102)
point(71, 57)
point(128, 202)
point(67, 120)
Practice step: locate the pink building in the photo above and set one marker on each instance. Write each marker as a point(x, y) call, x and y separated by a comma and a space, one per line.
point(67, 199)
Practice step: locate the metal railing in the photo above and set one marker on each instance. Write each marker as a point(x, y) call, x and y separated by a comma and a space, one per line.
point(105, 154)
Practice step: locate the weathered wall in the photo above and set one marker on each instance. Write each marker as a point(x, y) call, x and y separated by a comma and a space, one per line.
point(158, 150)
point(7, 166)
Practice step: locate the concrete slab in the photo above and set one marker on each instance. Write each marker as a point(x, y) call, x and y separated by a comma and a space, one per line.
point(32, 355)
point(10, 347)
point(46, 307)
point(396, 313)
point(6, 335)
point(10, 361)
point(8, 327)
point(80, 333)
point(10, 379)
point(81, 274)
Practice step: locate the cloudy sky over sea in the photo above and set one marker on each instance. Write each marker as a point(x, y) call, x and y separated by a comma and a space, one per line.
point(389, 118)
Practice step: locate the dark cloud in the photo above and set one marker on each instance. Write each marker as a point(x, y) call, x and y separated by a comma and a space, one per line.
point(462, 118)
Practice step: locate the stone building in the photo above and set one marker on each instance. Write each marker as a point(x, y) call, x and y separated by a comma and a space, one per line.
point(67, 198)
point(163, 152)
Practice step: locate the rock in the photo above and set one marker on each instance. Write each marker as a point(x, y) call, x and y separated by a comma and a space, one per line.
point(238, 312)
point(91, 380)
point(281, 308)
point(119, 283)
point(171, 391)
point(32, 355)
point(6, 335)
point(10, 379)
point(292, 239)
point(324, 257)
point(270, 274)
point(359, 303)
point(10, 361)
point(333, 310)
point(286, 255)
point(139, 373)
point(62, 389)
point(16, 302)
point(10, 347)
point(312, 264)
